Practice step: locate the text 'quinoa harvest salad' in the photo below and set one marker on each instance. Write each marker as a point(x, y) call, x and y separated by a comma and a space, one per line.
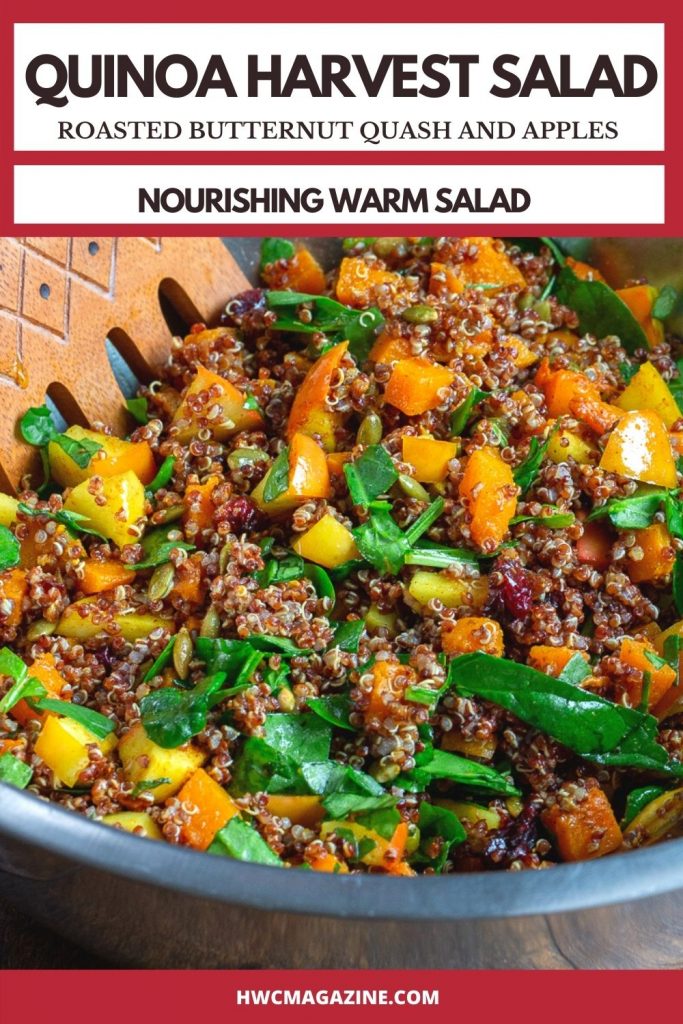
point(388, 577)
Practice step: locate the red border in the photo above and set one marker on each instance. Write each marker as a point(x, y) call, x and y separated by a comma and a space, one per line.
point(399, 11)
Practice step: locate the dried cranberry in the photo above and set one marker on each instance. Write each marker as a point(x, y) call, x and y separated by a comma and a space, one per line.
point(246, 304)
point(241, 513)
point(516, 840)
point(515, 588)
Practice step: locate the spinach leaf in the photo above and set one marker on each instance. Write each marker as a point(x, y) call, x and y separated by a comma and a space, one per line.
point(576, 670)
point(242, 842)
point(280, 570)
point(346, 569)
point(591, 726)
point(441, 824)
point(79, 450)
point(320, 579)
point(637, 800)
point(665, 303)
point(424, 521)
point(677, 583)
point(527, 471)
point(632, 513)
point(673, 510)
point(157, 547)
point(160, 662)
point(600, 310)
point(555, 250)
point(555, 521)
point(334, 709)
point(146, 784)
point(628, 371)
point(10, 549)
point(164, 474)
point(329, 317)
point(274, 249)
point(299, 737)
point(276, 645)
point(93, 721)
point(277, 480)
point(24, 685)
point(381, 542)
point(171, 716)
point(439, 557)
point(341, 805)
point(36, 426)
point(461, 415)
point(347, 635)
point(236, 659)
point(14, 772)
point(74, 522)
point(139, 409)
point(275, 762)
point(325, 777)
point(370, 475)
point(444, 765)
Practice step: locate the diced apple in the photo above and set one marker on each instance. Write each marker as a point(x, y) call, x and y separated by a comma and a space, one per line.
point(115, 456)
point(134, 821)
point(87, 618)
point(427, 586)
point(8, 510)
point(328, 543)
point(63, 746)
point(144, 761)
point(123, 508)
point(207, 391)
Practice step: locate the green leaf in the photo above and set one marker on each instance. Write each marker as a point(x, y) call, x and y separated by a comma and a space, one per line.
point(163, 476)
point(347, 635)
point(633, 513)
point(338, 322)
point(341, 805)
point(277, 480)
point(10, 549)
point(437, 823)
point(160, 662)
point(438, 557)
point(14, 772)
point(673, 510)
point(425, 520)
point(381, 542)
point(276, 645)
point(36, 426)
point(346, 569)
point(242, 842)
point(320, 578)
point(555, 521)
point(24, 685)
point(334, 709)
point(98, 724)
point(555, 250)
point(74, 522)
point(79, 450)
point(576, 670)
point(370, 475)
point(444, 765)
point(157, 547)
point(146, 784)
point(274, 249)
point(677, 583)
point(299, 737)
point(324, 777)
point(461, 415)
point(600, 310)
point(280, 570)
point(637, 800)
point(139, 410)
point(527, 471)
point(664, 304)
point(171, 716)
point(591, 726)
point(628, 371)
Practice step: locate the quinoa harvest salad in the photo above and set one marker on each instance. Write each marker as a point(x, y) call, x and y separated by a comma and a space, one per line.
point(388, 576)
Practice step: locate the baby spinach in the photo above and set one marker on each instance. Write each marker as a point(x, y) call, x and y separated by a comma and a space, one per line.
point(441, 764)
point(460, 417)
point(14, 772)
point(329, 317)
point(637, 800)
point(556, 520)
point(280, 570)
point(277, 480)
point(10, 549)
point(24, 685)
point(147, 784)
point(334, 709)
point(171, 716)
point(276, 645)
point(74, 522)
point(370, 475)
point(241, 841)
point(341, 805)
point(576, 670)
point(160, 662)
point(527, 471)
point(274, 249)
point(638, 510)
point(37, 429)
point(665, 303)
point(163, 476)
point(157, 547)
point(139, 409)
point(347, 635)
point(439, 828)
point(319, 577)
point(237, 659)
point(591, 726)
point(600, 310)
point(93, 721)
point(382, 543)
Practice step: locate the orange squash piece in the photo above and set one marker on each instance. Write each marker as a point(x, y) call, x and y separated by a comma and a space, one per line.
point(430, 458)
point(584, 271)
point(658, 554)
point(489, 493)
point(101, 576)
point(301, 810)
point(598, 415)
point(309, 477)
point(329, 863)
point(633, 652)
point(639, 448)
point(360, 284)
point(640, 300)
point(491, 265)
point(390, 679)
point(587, 831)
point(302, 273)
point(43, 669)
point(415, 384)
point(472, 633)
point(552, 660)
point(199, 506)
point(189, 586)
point(309, 414)
point(336, 462)
point(389, 349)
point(444, 281)
point(216, 808)
point(213, 390)
point(13, 588)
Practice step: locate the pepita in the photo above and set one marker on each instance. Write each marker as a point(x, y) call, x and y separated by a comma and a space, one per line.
point(183, 649)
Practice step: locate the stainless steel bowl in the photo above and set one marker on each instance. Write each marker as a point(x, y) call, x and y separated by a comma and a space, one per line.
point(148, 904)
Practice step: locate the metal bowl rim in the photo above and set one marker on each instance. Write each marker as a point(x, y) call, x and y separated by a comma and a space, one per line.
point(567, 887)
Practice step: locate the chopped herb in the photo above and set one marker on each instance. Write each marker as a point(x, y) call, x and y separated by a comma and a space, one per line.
point(157, 547)
point(10, 549)
point(460, 417)
point(160, 662)
point(164, 474)
point(277, 480)
point(628, 371)
point(14, 772)
point(74, 522)
point(93, 721)
point(79, 451)
point(146, 784)
point(665, 303)
point(438, 557)
point(24, 684)
point(370, 475)
point(555, 521)
point(276, 645)
point(576, 670)
point(139, 409)
point(242, 842)
point(527, 471)
point(637, 800)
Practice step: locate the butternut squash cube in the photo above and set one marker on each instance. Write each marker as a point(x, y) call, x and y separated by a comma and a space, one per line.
point(429, 457)
point(328, 543)
point(209, 390)
point(648, 390)
point(144, 761)
point(427, 586)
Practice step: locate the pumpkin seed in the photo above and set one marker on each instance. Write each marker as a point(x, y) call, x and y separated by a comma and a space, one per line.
point(286, 700)
point(384, 773)
point(370, 431)
point(525, 301)
point(211, 623)
point(420, 314)
point(41, 627)
point(412, 488)
point(246, 457)
point(183, 649)
point(161, 582)
point(544, 309)
point(169, 515)
point(661, 816)
point(224, 556)
point(390, 247)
